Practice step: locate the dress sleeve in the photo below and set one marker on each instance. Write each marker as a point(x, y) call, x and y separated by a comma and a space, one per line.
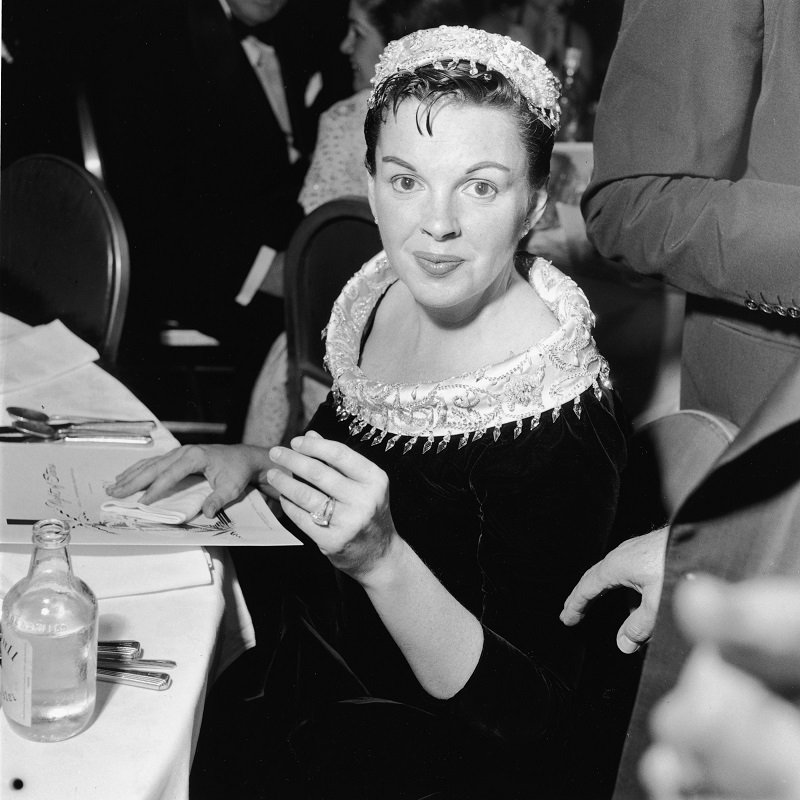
point(674, 191)
point(320, 175)
point(547, 501)
point(337, 166)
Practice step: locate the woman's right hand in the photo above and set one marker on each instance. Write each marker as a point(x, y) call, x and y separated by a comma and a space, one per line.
point(230, 469)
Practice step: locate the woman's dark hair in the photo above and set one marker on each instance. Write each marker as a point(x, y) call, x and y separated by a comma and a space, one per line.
point(394, 19)
point(431, 85)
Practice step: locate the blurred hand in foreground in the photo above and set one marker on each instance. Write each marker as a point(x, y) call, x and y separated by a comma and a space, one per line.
point(731, 726)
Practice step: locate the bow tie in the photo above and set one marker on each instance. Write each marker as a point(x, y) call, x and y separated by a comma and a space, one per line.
point(264, 32)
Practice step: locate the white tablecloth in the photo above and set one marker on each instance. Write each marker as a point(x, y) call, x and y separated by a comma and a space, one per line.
point(140, 743)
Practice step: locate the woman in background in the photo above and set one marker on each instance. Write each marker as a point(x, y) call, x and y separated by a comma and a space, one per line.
point(337, 167)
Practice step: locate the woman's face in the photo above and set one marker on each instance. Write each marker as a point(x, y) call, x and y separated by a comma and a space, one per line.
point(363, 44)
point(452, 206)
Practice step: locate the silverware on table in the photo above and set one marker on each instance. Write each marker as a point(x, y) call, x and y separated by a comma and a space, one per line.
point(39, 431)
point(134, 663)
point(95, 423)
point(119, 648)
point(144, 680)
point(120, 661)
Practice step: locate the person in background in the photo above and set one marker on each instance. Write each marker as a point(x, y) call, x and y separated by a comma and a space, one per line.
point(698, 182)
point(730, 728)
point(337, 168)
point(551, 27)
point(38, 111)
point(464, 469)
point(206, 116)
point(546, 26)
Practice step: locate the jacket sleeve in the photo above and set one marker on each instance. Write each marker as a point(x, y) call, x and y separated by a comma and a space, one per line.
point(674, 192)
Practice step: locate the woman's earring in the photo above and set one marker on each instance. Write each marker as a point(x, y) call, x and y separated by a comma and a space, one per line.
point(376, 219)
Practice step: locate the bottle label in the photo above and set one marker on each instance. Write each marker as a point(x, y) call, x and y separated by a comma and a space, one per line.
point(17, 673)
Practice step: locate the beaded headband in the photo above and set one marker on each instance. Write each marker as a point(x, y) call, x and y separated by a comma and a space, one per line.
point(447, 45)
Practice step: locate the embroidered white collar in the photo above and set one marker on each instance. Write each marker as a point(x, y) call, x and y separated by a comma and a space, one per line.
point(552, 372)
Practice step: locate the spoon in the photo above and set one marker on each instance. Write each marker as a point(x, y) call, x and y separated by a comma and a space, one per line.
point(76, 423)
point(41, 430)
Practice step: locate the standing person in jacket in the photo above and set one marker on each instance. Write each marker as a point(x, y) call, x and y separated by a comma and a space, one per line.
point(697, 179)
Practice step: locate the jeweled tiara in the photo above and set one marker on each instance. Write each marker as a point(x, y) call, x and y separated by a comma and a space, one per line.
point(446, 45)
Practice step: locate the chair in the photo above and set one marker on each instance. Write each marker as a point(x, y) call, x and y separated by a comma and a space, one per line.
point(63, 250)
point(327, 248)
point(667, 458)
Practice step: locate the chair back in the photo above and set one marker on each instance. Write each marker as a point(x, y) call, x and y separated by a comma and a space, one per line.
point(63, 250)
point(667, 458)
point(328, 247)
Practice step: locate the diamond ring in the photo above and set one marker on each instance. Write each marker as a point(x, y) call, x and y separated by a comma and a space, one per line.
point(323, 517)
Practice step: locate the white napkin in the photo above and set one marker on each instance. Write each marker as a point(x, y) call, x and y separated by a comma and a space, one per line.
point(40, 354)
point(175, 509)
point(118, 571)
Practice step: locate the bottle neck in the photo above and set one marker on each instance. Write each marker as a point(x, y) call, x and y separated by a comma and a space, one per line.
point(50, 556)
point(50, 560)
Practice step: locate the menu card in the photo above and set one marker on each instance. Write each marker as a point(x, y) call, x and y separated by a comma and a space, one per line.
point(43, 480)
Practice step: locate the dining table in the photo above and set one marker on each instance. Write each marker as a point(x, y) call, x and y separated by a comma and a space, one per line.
point(181, 603)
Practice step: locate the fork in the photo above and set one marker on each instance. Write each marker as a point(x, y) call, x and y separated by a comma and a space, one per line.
point(224, 524)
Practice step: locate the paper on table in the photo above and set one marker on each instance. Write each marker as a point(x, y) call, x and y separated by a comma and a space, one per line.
point(40, 354)
point(181, 506)
point(50, 480)
point(131, 571)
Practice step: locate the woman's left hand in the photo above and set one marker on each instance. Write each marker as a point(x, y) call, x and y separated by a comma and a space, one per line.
point(329, 476)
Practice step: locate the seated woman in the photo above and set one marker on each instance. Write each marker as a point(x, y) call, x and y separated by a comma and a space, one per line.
point(463, 472)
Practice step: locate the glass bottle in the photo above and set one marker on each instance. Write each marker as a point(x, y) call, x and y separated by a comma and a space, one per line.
point(49, 629)
point(573, 98)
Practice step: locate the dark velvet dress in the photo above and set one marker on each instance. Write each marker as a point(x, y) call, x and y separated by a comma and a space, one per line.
point(505, 483)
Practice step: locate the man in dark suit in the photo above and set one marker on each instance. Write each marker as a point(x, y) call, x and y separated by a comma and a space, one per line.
point(206, 115)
